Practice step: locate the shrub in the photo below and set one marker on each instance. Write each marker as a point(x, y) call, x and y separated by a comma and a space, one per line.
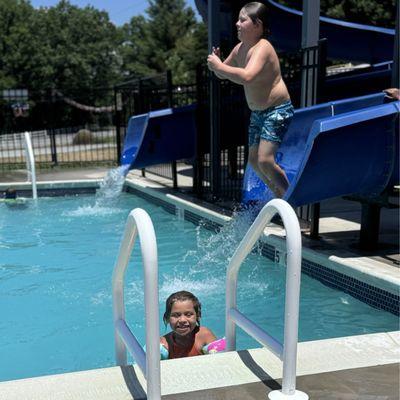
point(84, 136)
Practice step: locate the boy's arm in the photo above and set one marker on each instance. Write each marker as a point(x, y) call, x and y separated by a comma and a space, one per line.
point(242, 76)
point(230, 60)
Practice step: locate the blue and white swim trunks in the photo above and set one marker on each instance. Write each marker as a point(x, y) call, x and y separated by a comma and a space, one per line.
point(270, 124)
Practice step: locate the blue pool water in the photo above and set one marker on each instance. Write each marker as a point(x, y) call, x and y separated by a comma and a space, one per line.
point(56, 262)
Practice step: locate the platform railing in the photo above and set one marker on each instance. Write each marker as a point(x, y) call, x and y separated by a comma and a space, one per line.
point(30, 163)
point(287, 351)
point(139, 223)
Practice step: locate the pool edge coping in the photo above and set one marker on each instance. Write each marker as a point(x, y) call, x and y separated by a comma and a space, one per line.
point(226, 370)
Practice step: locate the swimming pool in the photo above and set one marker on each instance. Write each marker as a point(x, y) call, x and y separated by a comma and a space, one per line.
point(56, 262)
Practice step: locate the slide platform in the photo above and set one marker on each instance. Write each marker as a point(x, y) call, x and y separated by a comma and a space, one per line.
point(335, 149)
point(159, 137)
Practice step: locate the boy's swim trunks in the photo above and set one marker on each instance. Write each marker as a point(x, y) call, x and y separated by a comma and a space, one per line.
point(270, 124)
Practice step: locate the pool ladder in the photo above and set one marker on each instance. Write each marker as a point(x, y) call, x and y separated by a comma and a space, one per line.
point(139, 223)
point(288, 351)
point(30, 163)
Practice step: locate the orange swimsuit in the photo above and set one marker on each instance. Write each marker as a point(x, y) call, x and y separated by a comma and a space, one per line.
point(176, 351)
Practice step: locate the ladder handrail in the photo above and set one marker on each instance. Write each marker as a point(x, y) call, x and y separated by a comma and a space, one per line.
point(288, 351)
point(139, 223)
point(30, 163)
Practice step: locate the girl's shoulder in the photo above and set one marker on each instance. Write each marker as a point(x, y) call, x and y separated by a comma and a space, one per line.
point(206, 334)
point(164, 340)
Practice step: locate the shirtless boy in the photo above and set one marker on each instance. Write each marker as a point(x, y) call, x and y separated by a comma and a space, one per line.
point(254, 64)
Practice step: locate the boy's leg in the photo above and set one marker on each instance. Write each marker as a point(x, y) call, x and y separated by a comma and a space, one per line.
point(271, 173)
point(253, 160)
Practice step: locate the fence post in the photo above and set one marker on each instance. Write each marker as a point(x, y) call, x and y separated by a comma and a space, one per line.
point(53, 146)
point(174, 175)
point(51, 130)
point(215, 150)
point(118, 111)
point(169, 89)
point(313, 76)
point(202, 130)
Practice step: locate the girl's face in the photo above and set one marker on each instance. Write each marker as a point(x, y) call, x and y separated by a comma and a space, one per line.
point(183, 318)
point(247, 29)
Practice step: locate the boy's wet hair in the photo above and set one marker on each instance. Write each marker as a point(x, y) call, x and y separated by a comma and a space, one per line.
point(10, 193)
point(258, 12)
point(183, 295)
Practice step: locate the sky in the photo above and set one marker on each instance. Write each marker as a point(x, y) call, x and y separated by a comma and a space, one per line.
point(120, 11)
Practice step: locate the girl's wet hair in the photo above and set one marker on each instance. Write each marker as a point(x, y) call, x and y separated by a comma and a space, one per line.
point(181, 296)
point(258, 12)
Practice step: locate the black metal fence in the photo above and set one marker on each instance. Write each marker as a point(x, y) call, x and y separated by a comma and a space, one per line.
point(86, 128)
point(233, 121)
point(149, 94)
point(67, 129)
point(233, 126)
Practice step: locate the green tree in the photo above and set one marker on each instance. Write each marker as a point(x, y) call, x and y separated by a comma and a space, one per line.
point(58, 47)
point(169, 38)
point(134, 49)
point(190, 50)
point(16, 53)
point(79, 47)
point(380, 13)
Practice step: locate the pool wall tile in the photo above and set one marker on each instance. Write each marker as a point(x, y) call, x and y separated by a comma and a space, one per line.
point(369, 294)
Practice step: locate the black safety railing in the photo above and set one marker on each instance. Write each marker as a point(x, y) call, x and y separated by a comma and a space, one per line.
point(313, 83)
point(67, 129)
point(142, 95)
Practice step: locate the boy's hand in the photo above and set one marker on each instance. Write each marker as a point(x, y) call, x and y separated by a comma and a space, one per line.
point(213, 61)
point(216, 51)
point(392, 93)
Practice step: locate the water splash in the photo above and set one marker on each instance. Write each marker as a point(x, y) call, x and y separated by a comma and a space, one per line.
point(95, 210)
point(106, 197)
point(111, 187)
point(220, 246)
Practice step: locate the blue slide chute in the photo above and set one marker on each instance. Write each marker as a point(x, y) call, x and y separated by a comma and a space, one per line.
point(335, 149)
point(159, 137)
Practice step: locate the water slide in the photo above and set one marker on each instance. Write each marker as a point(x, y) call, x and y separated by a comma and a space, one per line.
point(346, 41)
point(342, 147)
point(334, 149)
point(159, 137)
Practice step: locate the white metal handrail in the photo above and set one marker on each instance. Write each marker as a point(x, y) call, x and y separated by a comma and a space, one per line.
point(30, 163)
point(288, 351)
point(139, 223)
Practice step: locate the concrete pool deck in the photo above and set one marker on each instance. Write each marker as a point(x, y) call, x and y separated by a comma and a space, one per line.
point(364, 367)
point(333, 369)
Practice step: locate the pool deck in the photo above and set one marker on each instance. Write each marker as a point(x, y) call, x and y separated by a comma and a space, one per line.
point(365, 367)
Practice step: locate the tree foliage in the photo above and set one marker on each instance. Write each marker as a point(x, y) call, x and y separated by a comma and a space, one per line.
point(380, 13)
point(79, 45)
point(70, 47)
point(169, 38)
point(368, 12)
point(16, 55)
point(63, 46)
